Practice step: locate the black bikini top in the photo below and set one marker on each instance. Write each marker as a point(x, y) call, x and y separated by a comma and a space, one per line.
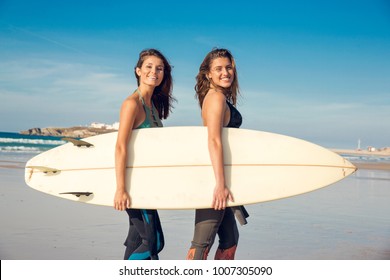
point(235, 117)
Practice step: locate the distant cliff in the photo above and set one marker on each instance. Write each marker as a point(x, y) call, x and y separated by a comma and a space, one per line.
point(76, 131)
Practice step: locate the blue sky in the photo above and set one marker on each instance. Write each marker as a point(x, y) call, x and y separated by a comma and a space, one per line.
point(316, 70)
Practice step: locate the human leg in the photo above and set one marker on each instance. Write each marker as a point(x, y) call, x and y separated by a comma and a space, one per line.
point(228, 237)
point(207, 222)
point(147, 225)
point(133, 240)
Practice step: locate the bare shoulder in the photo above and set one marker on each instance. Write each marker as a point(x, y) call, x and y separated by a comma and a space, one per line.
point(214, 108)
point(131, 103)
point(214, 98)
point(128, 115)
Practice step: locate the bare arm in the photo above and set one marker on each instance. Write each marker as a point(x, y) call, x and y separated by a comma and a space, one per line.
point(128, 114)
point(214, 107)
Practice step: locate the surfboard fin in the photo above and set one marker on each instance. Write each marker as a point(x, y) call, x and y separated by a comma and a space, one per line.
point(78, 194)
point(45, 169)
point(78, 143)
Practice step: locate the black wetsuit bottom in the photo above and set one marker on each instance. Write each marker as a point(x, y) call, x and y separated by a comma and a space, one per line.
point(145, 238)
point(209, 223)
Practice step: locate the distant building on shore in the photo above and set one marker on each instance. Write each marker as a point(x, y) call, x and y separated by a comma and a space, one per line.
point(371, 149)
point(105, 126)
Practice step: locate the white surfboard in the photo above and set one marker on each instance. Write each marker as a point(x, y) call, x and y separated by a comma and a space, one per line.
point(170, 168)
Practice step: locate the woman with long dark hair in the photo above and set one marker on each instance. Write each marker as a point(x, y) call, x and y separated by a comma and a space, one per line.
point(144, 108)
point(217, 90)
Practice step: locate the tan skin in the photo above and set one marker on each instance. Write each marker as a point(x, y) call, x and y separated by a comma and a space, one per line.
point(132, 115)
point(216, 115)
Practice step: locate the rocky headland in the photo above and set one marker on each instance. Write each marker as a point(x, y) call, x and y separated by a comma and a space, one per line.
point(75, 132)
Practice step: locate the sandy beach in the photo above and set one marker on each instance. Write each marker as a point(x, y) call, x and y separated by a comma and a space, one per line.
point(372, 165)
point(385, 152)
point(347, 220)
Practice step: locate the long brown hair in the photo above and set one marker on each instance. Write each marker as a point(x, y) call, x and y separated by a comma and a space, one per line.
point(203, 84)
point(162, 95)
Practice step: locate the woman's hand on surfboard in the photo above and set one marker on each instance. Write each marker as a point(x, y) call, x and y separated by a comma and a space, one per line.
point(220, 198)
point(122, 200)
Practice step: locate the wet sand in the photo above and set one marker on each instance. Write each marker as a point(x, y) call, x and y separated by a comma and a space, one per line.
point(347, 220)
point(372, 166)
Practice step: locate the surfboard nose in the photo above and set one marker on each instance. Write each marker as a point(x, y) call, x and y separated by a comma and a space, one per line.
point(349, 168)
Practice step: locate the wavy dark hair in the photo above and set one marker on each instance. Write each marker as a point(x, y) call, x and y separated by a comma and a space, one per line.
point(162, 97)
point(203, 83)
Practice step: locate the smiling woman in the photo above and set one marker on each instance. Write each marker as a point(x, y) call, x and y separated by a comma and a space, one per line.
point(151, 102)
point(216, 90)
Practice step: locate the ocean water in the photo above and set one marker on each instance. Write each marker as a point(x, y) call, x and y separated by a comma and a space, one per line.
point(367, 158)
point(18, 147)
point(11, 142)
